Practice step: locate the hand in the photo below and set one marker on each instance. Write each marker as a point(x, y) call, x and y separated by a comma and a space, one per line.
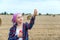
point(20, 34)
point(35, 12)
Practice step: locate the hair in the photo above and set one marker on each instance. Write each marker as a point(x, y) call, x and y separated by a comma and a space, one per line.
point(14, 17)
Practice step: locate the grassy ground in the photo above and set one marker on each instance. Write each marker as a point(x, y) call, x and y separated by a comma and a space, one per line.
point(45, 28)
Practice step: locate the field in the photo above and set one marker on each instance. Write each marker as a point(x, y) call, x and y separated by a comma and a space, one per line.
point(45, 27)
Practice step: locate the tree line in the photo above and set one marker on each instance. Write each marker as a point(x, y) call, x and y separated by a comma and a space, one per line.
point(47, 14)
point(5, 13)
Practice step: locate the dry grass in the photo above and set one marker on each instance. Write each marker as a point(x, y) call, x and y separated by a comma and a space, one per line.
point(45, 28)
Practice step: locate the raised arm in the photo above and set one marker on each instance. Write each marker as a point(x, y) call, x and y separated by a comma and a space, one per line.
point(30, 25)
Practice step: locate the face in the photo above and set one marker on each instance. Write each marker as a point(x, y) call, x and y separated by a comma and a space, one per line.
point(19, 19)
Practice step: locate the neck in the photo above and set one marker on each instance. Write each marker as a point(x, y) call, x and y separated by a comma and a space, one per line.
point(19, 24)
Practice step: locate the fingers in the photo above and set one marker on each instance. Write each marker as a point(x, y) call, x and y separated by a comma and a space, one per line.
point(35, 12)
point(20, 35)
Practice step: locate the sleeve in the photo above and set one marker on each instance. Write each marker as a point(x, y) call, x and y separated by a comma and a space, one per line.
point(30, 25)
point(12, 35)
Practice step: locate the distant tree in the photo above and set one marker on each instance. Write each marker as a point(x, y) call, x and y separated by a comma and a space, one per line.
point(47, 14)
point(5, 13)
point(23, 14)
point(1, 13)
point(39, 13)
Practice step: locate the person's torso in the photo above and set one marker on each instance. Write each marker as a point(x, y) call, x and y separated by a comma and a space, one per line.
point(18, 30)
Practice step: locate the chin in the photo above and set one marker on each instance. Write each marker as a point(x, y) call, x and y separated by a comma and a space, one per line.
point(20, 22)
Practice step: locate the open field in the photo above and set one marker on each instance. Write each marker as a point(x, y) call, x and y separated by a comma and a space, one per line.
point(45, 28)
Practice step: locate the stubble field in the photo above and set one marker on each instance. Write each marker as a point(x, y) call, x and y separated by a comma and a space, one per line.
point(45, 27)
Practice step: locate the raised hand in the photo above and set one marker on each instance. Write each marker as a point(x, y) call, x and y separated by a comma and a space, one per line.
point(35, 12)
point(20, 34)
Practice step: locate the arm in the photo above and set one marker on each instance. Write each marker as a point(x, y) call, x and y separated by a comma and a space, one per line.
point(30, 25)
point(12, 35)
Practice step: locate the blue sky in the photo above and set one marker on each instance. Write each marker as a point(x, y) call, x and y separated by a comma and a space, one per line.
point(27, 6)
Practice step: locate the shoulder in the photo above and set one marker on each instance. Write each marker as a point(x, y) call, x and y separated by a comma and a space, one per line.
point(13, 28)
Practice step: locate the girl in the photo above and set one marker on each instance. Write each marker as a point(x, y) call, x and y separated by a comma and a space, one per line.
point(19, 31)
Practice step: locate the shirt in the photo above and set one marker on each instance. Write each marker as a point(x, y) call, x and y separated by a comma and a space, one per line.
point(18, 30)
